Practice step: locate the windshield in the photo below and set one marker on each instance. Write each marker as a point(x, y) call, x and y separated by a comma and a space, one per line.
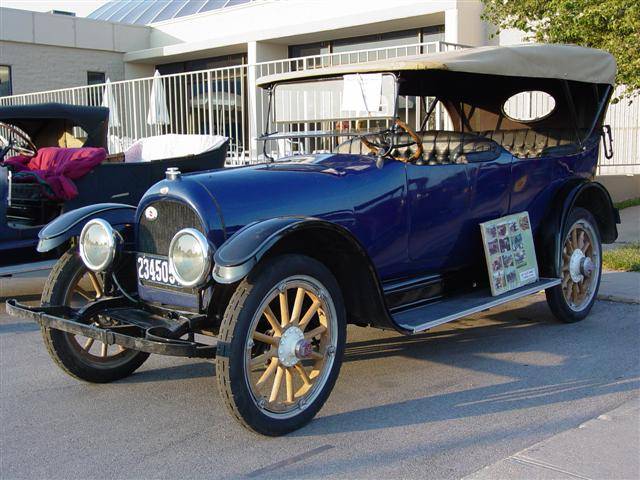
point(359, 96)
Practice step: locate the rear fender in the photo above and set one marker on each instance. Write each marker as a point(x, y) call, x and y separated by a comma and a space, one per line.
point(583, 193)
point(69, 225)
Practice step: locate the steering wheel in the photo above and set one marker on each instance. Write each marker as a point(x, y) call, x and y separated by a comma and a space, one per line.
point(30, 149)
point(384, 149)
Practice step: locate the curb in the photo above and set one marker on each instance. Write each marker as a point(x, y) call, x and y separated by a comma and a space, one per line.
point(619, 299)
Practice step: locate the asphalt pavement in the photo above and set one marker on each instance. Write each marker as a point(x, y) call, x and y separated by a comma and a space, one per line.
point(456, 401)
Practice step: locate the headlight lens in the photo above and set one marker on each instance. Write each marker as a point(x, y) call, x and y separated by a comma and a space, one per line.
point(97, 244)
point(190, 257)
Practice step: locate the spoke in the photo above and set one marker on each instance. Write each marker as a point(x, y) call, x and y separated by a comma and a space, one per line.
point(83, 293)
point(273, 321)
point(316, 355)
point(315, 332)
point(574, 238)
point(303, 374)
point(309, 315)
point(96, 284)
point(262, 359)
point(276, 385)
point(87, 345)
point(284, 308)
point(581, 240)
point(268, 372)
point(289, 381)
point(565, 281)
point(103, 350)
point(297, 306)
point(268, 339)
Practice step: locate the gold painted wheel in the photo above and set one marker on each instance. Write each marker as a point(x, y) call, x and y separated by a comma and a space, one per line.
point(88, 287)
point(581, 260)
point(291, 346)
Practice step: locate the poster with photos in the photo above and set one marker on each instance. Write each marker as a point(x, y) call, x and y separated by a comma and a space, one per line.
point(510, 252)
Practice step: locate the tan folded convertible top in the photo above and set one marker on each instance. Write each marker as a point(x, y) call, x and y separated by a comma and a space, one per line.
point(568, 62)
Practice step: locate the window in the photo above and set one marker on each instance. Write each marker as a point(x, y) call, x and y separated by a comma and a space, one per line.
point(5, 81)
point(434, 33)
point(529, 106)
point(95, 78)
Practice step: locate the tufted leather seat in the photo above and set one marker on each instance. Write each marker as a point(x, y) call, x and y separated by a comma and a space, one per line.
point(527, 143)
point(439, 147)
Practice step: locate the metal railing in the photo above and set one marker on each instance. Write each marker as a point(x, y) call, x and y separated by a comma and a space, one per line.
point(225, 101)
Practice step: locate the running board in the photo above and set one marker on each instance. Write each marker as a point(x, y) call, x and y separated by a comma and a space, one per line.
point(26, 268)
point(428, 316)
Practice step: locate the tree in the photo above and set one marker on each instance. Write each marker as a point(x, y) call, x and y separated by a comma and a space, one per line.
point(611, 25)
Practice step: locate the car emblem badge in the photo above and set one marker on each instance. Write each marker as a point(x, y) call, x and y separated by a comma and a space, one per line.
point(164, 190)
point(151, 213)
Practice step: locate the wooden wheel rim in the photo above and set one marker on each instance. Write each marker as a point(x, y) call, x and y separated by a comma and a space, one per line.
point(92, 350)
point(580, 244)
point(282, 310)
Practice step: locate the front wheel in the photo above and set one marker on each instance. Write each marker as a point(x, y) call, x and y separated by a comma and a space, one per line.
point(580, 268)
point(71, 283)
point(282, 337)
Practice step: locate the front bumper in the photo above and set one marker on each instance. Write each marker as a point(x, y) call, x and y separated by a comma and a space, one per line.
point(136, 328)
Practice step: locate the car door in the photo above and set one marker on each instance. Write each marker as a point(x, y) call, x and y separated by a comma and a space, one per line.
point(438, 197)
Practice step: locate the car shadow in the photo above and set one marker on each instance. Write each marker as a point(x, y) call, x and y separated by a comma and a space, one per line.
point(505, 349)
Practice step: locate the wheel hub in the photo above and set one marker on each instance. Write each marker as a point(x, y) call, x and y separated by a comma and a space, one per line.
point(576, 264)
point(292, 347)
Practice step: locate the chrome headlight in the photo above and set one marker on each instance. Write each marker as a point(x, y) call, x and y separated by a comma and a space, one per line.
point(190, 257)
point(97, 244)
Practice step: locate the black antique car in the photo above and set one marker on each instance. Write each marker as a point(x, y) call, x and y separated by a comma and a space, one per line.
point(25, 207)
point(262, 267)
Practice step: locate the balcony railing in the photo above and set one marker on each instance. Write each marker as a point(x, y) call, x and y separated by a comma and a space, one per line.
point(225, 101)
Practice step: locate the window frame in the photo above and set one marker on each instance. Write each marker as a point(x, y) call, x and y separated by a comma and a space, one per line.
point(9, 69)
point(96, 72)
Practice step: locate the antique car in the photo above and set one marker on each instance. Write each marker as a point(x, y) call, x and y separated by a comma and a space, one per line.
point(27, 204)
point(262, 267)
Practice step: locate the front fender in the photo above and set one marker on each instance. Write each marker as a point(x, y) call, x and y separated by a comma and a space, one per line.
point(69, 225)
point(240, 253)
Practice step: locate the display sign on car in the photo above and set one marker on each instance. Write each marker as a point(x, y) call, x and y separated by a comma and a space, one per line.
point(510, 252)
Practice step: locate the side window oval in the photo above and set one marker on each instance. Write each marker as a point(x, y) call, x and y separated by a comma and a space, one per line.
point(529, 106)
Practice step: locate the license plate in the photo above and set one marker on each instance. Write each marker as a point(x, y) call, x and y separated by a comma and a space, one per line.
point(156, 270)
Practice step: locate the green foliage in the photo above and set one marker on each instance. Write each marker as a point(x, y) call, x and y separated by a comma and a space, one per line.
point(625, 258)
point(611, 25)
point(632, 202)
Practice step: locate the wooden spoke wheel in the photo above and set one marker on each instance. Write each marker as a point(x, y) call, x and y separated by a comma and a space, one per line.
point(282, 339)
point(292, 345)
point(86, 288)
point(580, 264)
point(579, 269)
point(71, 283)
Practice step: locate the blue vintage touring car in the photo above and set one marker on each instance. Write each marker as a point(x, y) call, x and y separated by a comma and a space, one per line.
point(371, 223)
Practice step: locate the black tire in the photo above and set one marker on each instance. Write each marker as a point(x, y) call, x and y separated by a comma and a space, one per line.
point(239, 315)
point(63, 347)
point(556, 299)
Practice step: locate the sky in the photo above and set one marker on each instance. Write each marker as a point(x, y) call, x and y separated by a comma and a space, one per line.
point(80, 7)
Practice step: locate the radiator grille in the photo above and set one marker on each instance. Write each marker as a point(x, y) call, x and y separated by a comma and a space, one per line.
point(154, 236)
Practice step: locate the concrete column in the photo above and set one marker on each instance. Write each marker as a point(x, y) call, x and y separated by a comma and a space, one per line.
point(258, 52)
point(463, 24)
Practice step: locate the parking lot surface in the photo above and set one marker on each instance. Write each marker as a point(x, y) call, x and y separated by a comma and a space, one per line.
point(443, 404)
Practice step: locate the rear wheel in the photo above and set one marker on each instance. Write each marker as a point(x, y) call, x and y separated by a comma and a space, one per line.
point(580, 268)
point(71, 283)
point(283, 334)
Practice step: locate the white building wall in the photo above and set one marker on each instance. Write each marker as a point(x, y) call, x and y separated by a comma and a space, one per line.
point(44, 67)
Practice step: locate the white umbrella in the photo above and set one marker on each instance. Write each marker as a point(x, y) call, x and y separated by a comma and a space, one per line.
point(109, 101)
point(158, 111)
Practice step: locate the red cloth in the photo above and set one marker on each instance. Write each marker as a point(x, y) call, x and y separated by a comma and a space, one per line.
point(60, 166)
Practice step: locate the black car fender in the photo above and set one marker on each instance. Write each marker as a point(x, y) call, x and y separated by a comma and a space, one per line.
point(69, 225)
point(592, 196)
point(329, 243)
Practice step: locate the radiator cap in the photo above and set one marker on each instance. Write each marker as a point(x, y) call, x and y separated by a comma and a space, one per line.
point(173, 173)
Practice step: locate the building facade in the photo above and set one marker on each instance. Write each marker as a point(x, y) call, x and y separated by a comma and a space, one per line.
point(210, 54)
